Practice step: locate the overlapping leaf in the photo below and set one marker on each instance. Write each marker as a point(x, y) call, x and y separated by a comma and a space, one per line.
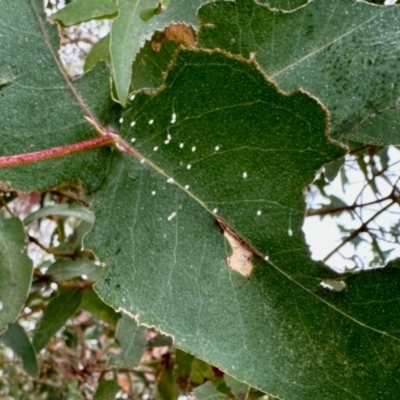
point(343, 52)
point(15, 270)
point(39, 108)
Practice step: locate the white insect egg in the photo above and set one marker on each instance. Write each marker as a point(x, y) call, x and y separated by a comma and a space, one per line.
point(169, 137)
point(188, 166)
point(187, 187)
point(244, 175)
point(132, 97)
point(215, 210)
point(170, 180)
point(133, 123)
point(194, 149)
point(133, 140)
point(166, 142)
point(266, 258)
point(142, 161)
point(181, 145)
point(153, 192)
point(121, 120)
point(155, 148)
point(151, 121)
point(259, 212)
point(217, 148)
point(173, 215)
point(173, 118)
point(290, 232)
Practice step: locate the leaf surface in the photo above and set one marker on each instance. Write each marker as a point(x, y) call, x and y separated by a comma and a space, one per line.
point(132, 339)
point(40, 108)
point(130, 31)
point(60, 309)
point(250, 148)
point(342, 52)
point(84, 10)
point(15, 270)
point(16, 339)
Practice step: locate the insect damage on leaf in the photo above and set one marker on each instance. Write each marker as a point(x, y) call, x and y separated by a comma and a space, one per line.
point(240, 259)
point(179, 33)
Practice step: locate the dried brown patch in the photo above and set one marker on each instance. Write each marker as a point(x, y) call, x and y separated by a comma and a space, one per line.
point(240, 259)
point(180, 33)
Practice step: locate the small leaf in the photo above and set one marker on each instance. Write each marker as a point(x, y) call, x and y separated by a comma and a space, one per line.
point(132, 340)
point(63, 210)
point(125, 43)
point(239, 389)
point(65, 269)
point(160, 340)
point(166, 384)
point(16, 338)
point(183, 369)
point(57, 313)
point(99, 52)
point(84, 10)
point(107, 388)
point(208, 392)
point(15, 270)
point(95, 305)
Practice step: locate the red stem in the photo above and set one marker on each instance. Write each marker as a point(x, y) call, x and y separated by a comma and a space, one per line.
point(28, 158)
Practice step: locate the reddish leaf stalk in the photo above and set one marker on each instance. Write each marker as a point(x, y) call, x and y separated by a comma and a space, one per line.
point(62, 151)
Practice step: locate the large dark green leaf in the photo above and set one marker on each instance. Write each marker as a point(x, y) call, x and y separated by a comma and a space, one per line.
point(278, 330)
point(39, 106)
point(15, 270)
point(343, 52)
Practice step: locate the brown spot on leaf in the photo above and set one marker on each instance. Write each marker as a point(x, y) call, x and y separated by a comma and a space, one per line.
point(180, 33)
point(240, 259)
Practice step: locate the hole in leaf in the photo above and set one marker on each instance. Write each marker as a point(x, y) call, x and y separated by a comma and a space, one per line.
point(353, 214)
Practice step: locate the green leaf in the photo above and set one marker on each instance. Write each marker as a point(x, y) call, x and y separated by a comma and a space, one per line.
point(159, 340)
point(132, 339)
point(15, 270)
point(125, 43)
point(183, 368)
point(239, 389)
point(58, 312)
point(92, 303)
point(166, 385)
point(41, 108)
point(129, 33)
point(337, 50)
point(65, 269)
point(107, 389)
point(201, 371)
point(207, 392)
point(250, 149)
point(16, 338)
point(63, 210)
point(84, 10)
point(150, 66)
point(99, 52)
